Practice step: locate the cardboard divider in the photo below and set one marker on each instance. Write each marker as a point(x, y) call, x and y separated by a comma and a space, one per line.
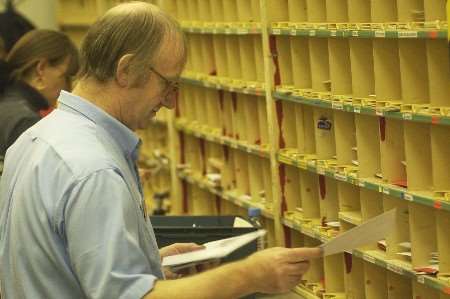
point(227, 115)
point(399, 287)
point(376, 281)
point(371, 206)
point(337, 11)
point(242, 175)
point(257, 187)
point(268, 196)
point(401, 234)
point(207, 55)
point(440, 153)
point(277, 10)
point(418, 156)
point(443, 242)
point(414, 71)
point(368, 145)
point(200, 105)
point(423, 234)
point(349, 204)
point(191, 150)
point(230, 10)
point(251, 119)
point(324, 127)
point(195, 44)
point(204, 10)
point(435, 10)
point(316, 11)
point(345, 135)
point(392, 151)
point(259, 59)
point(340, 69)
point(359, 11)
point(289, 125)
point(220, 54)
point(262, 120)
point(297, 11)
point(328, 199)
point(320, 67)
point(284, 59)
point(362, 67)
point(244, 11)
point(269, 225)
point(438, 72)
point(292, 193)
point(217, 10)
point(387, 70)
point(383, 11)
point(247, 52)
point(239, 117)
point(233, 57)
point(192, 10)
point(421, 291)
point(410, 10)
point(334, 269)
point(202, 202)
point(354, 277)
point(213, 113)
point(309, 187)
point(301, 66)
point(304, 117)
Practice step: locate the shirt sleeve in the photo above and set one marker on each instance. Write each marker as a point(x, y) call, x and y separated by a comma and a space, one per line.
point(102, 234)
point(20, 127)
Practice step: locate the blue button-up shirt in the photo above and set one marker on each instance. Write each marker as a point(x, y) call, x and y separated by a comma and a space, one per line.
point(71, 221)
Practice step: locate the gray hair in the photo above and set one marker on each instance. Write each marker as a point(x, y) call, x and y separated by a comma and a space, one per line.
point(136, 28)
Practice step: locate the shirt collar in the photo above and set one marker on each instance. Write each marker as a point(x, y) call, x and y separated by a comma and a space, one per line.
point(127, 140)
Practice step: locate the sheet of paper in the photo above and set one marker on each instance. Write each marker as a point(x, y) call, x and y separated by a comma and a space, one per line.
point(213, 250)
point(371, 231)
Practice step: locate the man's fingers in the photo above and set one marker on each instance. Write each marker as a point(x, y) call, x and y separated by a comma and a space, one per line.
point(296, 255)
point(297, 269)
point(188, 247)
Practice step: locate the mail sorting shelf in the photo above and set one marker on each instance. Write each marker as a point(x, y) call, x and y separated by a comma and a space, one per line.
point(399, 152)
point(154, 161)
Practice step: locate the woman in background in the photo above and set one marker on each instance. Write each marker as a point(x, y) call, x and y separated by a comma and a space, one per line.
point(33, 74)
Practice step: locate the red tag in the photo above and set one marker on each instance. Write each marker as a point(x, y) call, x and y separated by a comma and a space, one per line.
point(435, 119)
point(437, 205)
point(433, 34)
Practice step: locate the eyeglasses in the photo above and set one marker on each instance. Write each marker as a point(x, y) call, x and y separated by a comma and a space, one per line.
point(172, 86)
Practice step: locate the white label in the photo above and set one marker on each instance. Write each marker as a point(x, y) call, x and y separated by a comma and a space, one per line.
point(333, 33)
point(408, 197)
point(407, 34)
point(357, 109)
point(379, 112)
point(380, 33)
point(340, 177)
point(312, 32)
point(276, 31)
point(369, 258)
point(337, 105)
point(227, 30)
point(246, 91)
point(248, 150)
point(361, 184)
point(293, 32)
point(407, 116)
point(355, 33)
point(421, 279)
point(214, 30)
point(386, 191)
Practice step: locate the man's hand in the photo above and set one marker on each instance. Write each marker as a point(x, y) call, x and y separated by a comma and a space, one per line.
point(175, 249)
point(278, 270)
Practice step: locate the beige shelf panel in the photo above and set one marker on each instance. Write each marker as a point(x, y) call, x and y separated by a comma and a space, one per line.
point(440, 154)
point(393, 152)
point(325, 138)
point(362, 67)
point(423, 234)
point(434, 10)
point(334, 273)
point(383, 11)
point(297, 11)
point(354, 278)
point(292, 188)
point(340, 69)
point(414, 71)
point(359, 11)
point(329, 203)
point(387, 70)
point(418, 156)
point(398, 286)
point(337, 11)
point(309, 195)
point(345, 137)
point(375, 281)
point(316, 11)
point(368, 145)
point(438, 73)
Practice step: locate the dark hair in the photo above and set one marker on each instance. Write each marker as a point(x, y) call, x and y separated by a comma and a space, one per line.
point(36, 45)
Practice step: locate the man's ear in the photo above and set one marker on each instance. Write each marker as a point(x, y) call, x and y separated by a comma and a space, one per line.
point(123, 74)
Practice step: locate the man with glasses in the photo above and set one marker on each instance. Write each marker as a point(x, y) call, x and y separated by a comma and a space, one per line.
point(71, 211)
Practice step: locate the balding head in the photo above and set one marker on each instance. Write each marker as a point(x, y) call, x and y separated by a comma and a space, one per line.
point(137, 28)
